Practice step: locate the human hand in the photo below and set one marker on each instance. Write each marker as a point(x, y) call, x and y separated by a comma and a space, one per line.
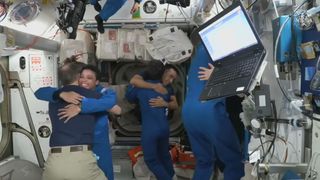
point(204, 73)
point(68, 112)
point(71, 97)
point(135, 7)
point(248, 108)
point(158, 102)
point(115, 110)
point(158, 87)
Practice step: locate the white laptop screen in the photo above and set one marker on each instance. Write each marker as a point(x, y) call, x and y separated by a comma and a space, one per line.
point(227, 35)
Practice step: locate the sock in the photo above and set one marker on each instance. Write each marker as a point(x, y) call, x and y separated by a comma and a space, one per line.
point(97, 7)
point(99, 24)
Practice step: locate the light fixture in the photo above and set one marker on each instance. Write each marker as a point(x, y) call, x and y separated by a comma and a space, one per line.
point(24, 12)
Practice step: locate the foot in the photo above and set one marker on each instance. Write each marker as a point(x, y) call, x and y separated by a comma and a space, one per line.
point(97, 7)
point(99, 24)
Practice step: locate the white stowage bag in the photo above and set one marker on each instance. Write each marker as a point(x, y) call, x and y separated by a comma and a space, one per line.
point(139, 44)
point(169, 45)
point(107, 45)
point(141, 170)
point(126, 44)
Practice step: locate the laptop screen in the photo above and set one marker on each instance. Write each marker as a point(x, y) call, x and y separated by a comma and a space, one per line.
point(227, 35)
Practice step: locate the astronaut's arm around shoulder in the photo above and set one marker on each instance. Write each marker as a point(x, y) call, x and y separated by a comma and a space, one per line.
point(46, 93)
point(173, 104)
point(131, 94)
point(138, 81)
point(105, 102)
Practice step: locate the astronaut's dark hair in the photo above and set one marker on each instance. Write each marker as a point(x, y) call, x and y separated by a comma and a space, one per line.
point(92, 68)
point(170, 66)
point(70, 59)
point(154, 70)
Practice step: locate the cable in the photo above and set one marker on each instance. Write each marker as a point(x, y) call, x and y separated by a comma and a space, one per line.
point(55, 34)
point(275, 134)
point(215, 4)
point(220, 3)
point(276, 48)
point(286, 150)
point(276, 124)
point(250, 5)
point(315, 161)
point(167, 11)
point(275, 8)
point(269, 141)
point(258, 162)
point(257, 148)
point(263, 151)
point(311, 173)
point(185, 15)
point(286, 153)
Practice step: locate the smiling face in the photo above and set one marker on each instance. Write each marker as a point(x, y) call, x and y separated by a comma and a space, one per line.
point(169, 76)
point(88, 79)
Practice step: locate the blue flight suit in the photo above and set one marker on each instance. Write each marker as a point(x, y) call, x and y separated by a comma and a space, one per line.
point(209, 128)
point(110, 7)
point(78, 131)
point(155, 131)
point(101, 144)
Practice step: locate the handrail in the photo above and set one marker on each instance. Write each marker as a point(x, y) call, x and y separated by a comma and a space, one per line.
point(6, 138)
point(16, 128)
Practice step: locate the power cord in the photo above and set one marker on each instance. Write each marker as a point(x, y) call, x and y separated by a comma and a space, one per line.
point(276, 48)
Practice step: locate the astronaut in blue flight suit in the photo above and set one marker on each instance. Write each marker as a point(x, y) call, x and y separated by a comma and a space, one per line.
point(109, 9)
point(208, 126)
point(155, 125)
point(89, 79)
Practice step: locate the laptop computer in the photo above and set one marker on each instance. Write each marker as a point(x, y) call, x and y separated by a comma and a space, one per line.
point(236, 52)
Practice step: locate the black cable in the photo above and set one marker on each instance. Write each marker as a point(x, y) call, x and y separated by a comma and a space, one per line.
point(275, 126)
point(275, 133)
point(250, 5)
point(257, 148)
point(263, 151)
point(167, 11)
point(221, 5)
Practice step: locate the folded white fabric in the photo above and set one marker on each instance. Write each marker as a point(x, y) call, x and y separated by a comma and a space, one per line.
point(169, 45)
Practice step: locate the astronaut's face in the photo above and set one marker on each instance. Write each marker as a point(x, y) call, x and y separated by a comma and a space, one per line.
point(88, 79)
point(169, 76)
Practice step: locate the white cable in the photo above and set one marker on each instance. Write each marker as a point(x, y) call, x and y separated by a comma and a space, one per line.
point(276, 72)
point(184, 14)
point(275, 8)
point(277, 41)
point(311, 167)
point(290, 81)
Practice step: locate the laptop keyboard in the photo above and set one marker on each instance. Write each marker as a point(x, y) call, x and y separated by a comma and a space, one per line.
point(236, 70)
